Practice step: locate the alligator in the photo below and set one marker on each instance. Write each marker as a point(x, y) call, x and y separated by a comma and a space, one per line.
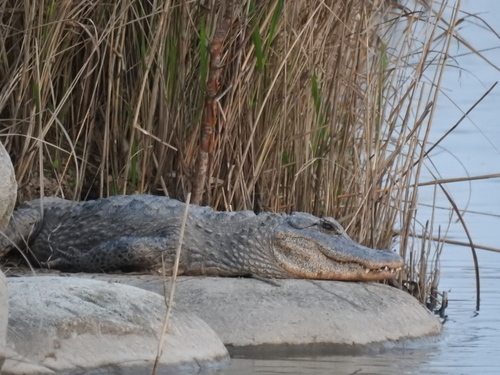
point(141, 233)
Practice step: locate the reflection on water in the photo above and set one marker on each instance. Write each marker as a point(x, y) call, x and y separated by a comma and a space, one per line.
point(331, 365)
point(470, 343)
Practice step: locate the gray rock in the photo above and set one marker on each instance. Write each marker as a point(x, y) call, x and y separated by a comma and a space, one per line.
point(17, 364)
point(8, 187)
point(248, 313)
point(8, 193)
point(66, 324)
point(4, 314)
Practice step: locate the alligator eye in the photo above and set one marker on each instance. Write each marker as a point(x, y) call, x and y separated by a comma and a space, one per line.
point(328, 226)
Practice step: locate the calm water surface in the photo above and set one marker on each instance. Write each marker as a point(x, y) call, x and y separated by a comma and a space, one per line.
point(470, 343)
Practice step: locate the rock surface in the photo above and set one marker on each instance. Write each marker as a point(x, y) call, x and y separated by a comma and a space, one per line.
point(248, 313)
point(4, 314)
point(65, 324)
point(8, 191)
point(8, 187)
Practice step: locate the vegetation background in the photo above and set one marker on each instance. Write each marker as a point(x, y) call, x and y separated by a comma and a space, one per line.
point(317, 106)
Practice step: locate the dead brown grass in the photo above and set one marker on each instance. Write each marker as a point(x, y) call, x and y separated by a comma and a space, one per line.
point(318, 111)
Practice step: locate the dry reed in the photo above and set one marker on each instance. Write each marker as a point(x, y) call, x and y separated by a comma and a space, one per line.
point(318, 109)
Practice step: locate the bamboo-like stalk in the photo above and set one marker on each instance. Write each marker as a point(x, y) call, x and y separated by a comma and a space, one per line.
point(209, 117)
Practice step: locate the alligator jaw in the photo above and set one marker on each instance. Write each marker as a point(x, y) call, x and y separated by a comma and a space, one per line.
point(359, 262)
point(361, 273)
point(316, 265)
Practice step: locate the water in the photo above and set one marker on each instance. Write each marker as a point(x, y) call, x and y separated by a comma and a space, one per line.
point(470, 343)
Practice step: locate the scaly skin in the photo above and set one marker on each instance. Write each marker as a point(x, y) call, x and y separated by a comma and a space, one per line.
point(140, 232)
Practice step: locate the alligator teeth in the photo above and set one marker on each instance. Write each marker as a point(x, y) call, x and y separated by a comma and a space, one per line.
point(383, 269)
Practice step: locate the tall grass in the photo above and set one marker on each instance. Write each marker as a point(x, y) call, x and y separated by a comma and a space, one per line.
point(318, 109)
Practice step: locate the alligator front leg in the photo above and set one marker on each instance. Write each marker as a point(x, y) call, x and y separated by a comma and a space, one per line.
point(124, 253)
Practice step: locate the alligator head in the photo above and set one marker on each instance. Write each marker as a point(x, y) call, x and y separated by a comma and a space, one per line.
point(319, 248)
